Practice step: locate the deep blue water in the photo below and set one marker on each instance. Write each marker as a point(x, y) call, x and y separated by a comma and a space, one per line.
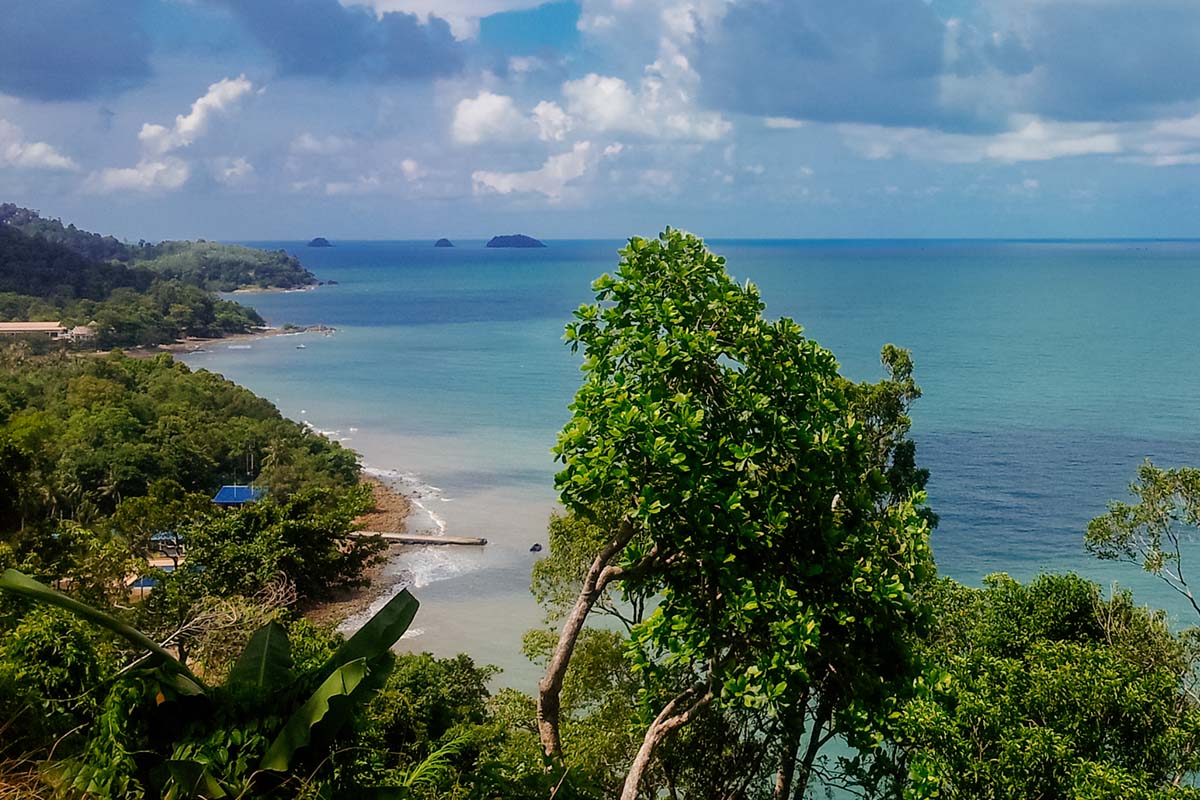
point(1050, 371)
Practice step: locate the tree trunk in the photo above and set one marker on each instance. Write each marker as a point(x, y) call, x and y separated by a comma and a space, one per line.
point(599, 575)
point(666, 721)
point(824, 712)
point(787, 761)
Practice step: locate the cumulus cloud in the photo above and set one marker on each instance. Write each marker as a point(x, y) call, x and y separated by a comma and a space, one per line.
point(220, 97)
point(462, 15)
point(1030, 139)
point(147, 176)
point(159, 169)
point(308, 144)
point(411, 170)
point(552, 122)
point(17, 151)
point(550, 180)
point(364, 184)
point(659, 109)
point(489, 117)
point(323, 38)
point(783, 123)
point(71, 49)
point(232, 171)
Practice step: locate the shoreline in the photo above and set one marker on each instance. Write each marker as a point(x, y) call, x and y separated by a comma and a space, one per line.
point(199, 344)
point(388, 514)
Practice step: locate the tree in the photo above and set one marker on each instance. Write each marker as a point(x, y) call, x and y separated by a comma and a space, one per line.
point(1154, 532)
point(1048, 690)
point(742, 496)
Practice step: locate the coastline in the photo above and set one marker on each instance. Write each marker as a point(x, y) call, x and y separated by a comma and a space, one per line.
point(389, 514)
point(196, 344)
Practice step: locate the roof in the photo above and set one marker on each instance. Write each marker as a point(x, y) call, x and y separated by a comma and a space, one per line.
point(237, 495)
point(30, 327)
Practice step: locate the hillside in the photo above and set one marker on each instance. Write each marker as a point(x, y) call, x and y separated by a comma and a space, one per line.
point(206, 265)
point(47, 274)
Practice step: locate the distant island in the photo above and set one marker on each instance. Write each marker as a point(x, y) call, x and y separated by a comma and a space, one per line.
point(320, 241)
point(444, 243)
point(515, 240)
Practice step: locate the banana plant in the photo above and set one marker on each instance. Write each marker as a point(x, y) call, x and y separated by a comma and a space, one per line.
point(346, 681)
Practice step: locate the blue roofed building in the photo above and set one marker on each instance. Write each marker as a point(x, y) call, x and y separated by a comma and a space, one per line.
point(237, 495)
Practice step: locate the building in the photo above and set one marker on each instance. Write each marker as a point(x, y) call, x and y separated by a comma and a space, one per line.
point(51, 330)
point(233, 496)
point(82, 333)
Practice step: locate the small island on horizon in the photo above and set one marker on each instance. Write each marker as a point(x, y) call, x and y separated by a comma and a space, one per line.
point(514, 240)
point(320, 241)
point(443, 243)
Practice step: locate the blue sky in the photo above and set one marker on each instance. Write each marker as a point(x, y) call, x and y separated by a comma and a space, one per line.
point(256, 119)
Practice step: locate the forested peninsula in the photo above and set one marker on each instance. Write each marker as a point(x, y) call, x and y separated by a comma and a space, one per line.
point(131, 294)
point(741, 597)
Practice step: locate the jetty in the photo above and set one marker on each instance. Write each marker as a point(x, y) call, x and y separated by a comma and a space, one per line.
point(412, 538)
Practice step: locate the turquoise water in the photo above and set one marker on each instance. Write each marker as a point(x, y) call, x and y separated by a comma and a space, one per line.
point(1050, 370)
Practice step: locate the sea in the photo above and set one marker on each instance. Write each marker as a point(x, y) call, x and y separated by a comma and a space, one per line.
point(1050, 370)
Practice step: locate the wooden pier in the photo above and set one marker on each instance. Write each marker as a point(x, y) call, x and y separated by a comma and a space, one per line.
point(412, 538)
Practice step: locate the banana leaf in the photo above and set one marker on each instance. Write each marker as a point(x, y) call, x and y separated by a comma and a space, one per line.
point(378, 634)
point(330, 704)
point(192, 779)
point(266, 663)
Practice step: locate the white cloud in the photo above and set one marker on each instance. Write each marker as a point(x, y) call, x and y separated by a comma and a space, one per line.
point(783, 123)
point(364, 184)
point(550, 180)
point(462, 15)
point(659, 108)
point(411, 169)
point(220, 97)
point(1030, 139)
point(308, 144)
point(489, 117)
point(552, 122)
point(149, 175)
point(17, 151)
point(232, 171)
point(158, 170)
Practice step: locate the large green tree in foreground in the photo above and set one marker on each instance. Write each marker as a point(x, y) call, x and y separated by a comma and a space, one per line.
point(741, 496)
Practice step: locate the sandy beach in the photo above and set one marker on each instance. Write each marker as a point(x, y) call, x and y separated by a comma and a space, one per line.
point(388, 515)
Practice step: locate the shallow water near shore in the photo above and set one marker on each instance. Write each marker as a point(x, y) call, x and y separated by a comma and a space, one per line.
point(1050, 371)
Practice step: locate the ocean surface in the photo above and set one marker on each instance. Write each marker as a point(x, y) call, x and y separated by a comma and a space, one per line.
point(1050, 371)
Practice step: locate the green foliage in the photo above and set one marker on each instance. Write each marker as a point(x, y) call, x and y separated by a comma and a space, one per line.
point(81, 437)
point(1154, 532)
point(306, 538)
point(52, 670)
point(190, 741)
point(222, 267)
point(132, 295)
point(1050, 690)
point(729, 442)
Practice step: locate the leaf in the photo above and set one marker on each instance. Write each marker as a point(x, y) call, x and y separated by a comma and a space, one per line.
point(436, 767)
point(324, 712)
point(22, 585)
point(378, 634)
point(193, 779)
point(266, 663)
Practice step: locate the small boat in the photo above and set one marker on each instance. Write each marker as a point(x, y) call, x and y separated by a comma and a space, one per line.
point(239, 347)
point(300, 347)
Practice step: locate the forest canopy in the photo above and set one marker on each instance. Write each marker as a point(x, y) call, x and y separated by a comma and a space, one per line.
point(136, 294)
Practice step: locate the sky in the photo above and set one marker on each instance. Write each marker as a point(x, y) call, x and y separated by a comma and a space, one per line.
point(403, 119)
